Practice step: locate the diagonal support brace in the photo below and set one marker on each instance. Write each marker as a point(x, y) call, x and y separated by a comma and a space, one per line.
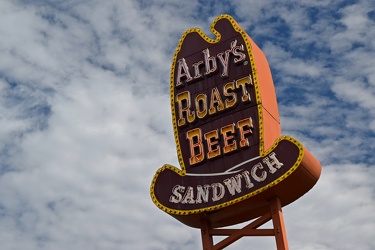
point(251, 229)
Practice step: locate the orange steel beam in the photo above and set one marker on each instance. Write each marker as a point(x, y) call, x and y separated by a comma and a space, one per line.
point(251, 229)
point(207, 240)
point(278, 224)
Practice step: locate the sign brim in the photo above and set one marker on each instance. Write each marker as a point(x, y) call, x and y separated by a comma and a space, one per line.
point(296, 177)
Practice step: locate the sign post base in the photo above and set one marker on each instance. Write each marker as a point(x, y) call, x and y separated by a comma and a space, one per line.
point(252, 229)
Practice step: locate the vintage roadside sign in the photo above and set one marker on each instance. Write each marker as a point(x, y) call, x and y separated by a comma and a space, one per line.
point(232, 156)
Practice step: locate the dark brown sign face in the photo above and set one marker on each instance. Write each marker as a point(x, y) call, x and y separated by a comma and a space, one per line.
point(226, 124)
point(215, 116)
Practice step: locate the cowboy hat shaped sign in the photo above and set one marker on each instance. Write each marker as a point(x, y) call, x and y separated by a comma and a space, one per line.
point(232, 156)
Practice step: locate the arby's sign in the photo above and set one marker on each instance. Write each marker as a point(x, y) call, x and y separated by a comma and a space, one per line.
point(227, 132)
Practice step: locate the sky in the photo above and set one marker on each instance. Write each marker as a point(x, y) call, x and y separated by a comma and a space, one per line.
point(85, 118)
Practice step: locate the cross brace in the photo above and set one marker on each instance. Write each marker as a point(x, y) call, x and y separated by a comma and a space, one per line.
point(278, 230)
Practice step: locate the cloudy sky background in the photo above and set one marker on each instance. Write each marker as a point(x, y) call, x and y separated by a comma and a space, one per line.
point(85, 118)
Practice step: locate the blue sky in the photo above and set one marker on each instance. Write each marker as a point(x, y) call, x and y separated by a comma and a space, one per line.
point(85, 118)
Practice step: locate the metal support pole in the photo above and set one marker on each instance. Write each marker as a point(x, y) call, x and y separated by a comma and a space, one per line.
point(207, 240)
point(252, 229)
point(278, 224)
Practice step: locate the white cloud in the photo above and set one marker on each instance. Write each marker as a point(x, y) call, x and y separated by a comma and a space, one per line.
point(85, 119)
point(343, 195)
point(288, 65)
